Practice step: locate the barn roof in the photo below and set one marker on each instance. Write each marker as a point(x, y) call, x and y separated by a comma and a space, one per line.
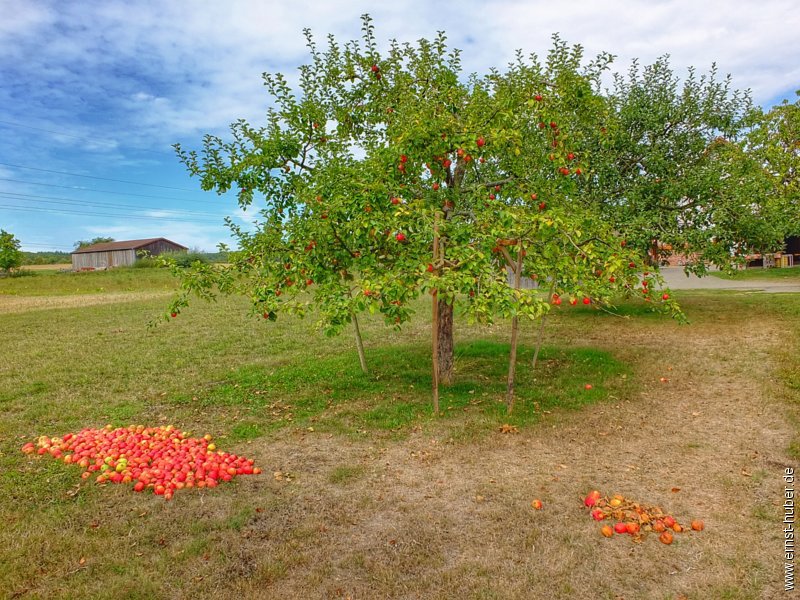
point(125, 245)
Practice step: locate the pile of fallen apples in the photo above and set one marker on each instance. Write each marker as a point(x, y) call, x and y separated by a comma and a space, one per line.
point(163, 459)
point(635, 519)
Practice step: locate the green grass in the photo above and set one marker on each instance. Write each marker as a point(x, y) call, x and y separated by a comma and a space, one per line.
point(758, 273)
point(55, 283)
point(335, 395)
point(216, 370)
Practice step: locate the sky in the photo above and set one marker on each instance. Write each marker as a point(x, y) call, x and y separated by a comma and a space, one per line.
point(93, 94)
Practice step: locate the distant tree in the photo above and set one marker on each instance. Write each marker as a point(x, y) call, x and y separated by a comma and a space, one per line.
point(10, 254)
point(670, 167)
point(45, 258)
point(98, 240)
point(775, 144)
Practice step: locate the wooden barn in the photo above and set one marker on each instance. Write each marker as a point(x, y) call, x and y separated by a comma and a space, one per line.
point(120, 254)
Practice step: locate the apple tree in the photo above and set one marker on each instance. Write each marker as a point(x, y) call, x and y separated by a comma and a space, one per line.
point(385, 176)
point(529, 209)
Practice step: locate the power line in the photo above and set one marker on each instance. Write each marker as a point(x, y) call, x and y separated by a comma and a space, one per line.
point(166, 187)
point(74, 189)
point(97, 214)
point(98, 204)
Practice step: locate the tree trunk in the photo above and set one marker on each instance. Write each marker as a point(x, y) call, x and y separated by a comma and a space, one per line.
point(512, 361)
point(359, 344)
point(445, 342)
point(444, 329)
point(655, 252)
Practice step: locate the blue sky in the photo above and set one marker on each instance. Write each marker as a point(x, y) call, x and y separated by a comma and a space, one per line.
point(93, 94)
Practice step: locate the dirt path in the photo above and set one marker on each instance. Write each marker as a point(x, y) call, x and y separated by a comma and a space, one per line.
point(424, 518)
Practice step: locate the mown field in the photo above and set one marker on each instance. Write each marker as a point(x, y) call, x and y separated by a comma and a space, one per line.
point(365, 494)
point(758, 273)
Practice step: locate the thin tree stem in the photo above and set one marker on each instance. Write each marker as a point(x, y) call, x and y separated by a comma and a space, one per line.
point(359, 344)
point(540, 337)
point(512, 362)
point(435, 321)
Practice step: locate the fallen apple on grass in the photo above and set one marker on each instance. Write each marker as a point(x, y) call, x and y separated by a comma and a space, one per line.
point(634, 518)
point(163, 459)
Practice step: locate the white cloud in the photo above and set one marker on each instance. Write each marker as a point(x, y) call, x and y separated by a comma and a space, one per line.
point(165, 71)
point(112, 79)
point(204, 237)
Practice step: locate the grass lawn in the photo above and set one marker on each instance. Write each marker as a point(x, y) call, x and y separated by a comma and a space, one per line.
point(758, 273)
point(365, 493)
